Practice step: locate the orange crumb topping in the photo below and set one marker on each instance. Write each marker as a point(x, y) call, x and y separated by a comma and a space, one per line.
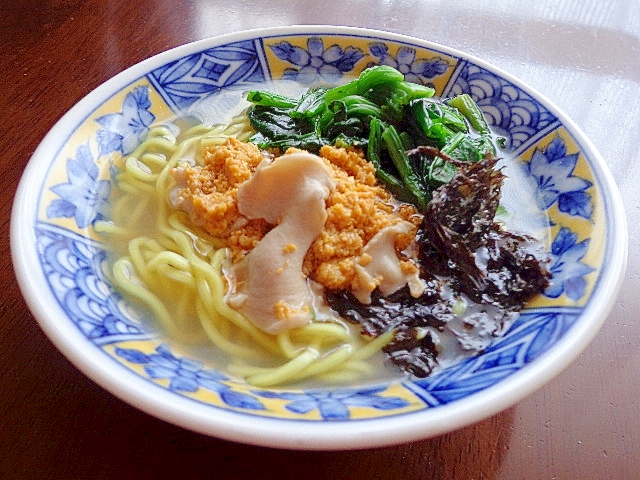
point(211, 190)
point(283, 311)
point(357, 209)
point(289, 248)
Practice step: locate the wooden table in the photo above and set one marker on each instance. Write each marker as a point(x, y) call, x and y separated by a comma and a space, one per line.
point(585, 56)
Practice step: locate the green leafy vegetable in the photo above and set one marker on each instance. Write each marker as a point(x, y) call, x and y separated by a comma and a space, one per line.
point(411, 181)
point(388, 118)
point(465, 104)
point(269, 99)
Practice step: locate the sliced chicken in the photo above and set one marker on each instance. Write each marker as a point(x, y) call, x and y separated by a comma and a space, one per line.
point(289, 192)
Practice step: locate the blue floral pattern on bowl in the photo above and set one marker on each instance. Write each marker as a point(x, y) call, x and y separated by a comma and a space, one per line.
point(73, 266)
point(187, 375)
point(84, 197)
point(415, 70)
point(567, 270)
point(553, 171)
point(72, 261)
point(528, 338)
point(123, 131)
point(334, 405)
point(317, 63)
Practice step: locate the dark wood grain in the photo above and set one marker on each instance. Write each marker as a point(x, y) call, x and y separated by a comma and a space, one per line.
point(55, 423)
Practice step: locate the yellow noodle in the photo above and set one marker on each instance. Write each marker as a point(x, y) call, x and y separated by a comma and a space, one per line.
point(154, 161)
point(331, 360)
point(110, 230)
point(328, 333)
point(134, 186)
point(138, 210)
point(121, 209)
point(140, 169)
point(347, 372)
point(175, 274)
point(201, 130)
point(219, 339)
point(122, 275)
point(286, 346)
point(373, 346)
point(212, 141)
point(171, 259)
point(283, 373)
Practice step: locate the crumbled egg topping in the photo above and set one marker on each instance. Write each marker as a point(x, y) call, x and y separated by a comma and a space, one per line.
point(358, 210)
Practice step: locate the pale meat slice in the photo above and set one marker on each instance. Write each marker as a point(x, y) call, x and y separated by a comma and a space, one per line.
point(380, 267)
point(290, 192)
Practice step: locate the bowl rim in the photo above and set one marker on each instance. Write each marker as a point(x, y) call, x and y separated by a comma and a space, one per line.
point(274, 432)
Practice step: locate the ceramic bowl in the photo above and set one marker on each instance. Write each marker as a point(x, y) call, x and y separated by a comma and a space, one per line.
point(59, 258)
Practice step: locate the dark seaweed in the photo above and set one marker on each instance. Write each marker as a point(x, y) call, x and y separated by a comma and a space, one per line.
point(461, 244)
point(413, 352)
point(460, 239)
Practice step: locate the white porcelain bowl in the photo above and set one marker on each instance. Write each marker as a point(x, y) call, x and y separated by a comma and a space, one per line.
point(58, 256)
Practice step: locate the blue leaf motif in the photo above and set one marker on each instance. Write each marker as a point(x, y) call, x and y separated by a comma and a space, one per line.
point(187, 375)
point(576, 204)
point(334, 405)
point(379, 50)
point(432, 68)
point(82, 166)
point(124, 131)
point(567, 270)
point(556, 150)
point(210, 379)
point(240, 400)
point(282, 395)
point(379, 403)
point(163, 360)
point(416, 71)
point(289, 53)
point(347, 60)
point(84, 197)
point(61, 208)
point(304, 405)
point(140, 100)
point(183, 384)
point(159, 371)
point(108, 141)
point(553, 171)
point(332, 409)
point(133, 356)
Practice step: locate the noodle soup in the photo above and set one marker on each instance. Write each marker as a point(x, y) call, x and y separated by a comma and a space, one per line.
point(182, 276)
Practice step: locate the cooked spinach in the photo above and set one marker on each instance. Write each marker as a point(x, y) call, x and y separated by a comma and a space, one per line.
point(386, 117)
